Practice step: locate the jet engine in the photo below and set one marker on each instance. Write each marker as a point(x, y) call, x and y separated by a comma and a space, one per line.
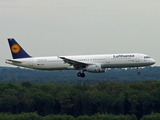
point(95, 68)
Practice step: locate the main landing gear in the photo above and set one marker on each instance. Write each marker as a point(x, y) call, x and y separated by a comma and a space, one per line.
point(138, 73)
point(79, 74)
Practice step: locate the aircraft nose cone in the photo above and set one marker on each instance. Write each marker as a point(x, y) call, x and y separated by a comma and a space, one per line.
point(153, 61)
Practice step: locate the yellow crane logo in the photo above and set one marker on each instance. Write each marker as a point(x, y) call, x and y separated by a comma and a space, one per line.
point(15, 48)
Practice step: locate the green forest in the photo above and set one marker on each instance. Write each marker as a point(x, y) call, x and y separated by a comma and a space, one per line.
point(106, 100)
point(121, 95)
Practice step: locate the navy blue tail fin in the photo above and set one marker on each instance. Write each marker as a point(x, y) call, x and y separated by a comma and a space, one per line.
point(16, 50)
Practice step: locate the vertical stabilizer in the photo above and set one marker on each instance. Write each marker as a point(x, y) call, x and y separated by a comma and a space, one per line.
point(16, 50)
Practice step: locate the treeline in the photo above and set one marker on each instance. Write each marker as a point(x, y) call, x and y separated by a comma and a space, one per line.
point(19, 75)
point(35, 116)
point(132, 101)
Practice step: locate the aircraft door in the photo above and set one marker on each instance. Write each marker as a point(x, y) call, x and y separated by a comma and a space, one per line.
point(137, 58)
point(107, 59)
point(31, 63)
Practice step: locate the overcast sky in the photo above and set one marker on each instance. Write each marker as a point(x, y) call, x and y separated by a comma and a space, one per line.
point(72, 27)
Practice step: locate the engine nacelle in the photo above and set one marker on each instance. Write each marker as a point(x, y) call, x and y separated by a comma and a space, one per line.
point(95, 69)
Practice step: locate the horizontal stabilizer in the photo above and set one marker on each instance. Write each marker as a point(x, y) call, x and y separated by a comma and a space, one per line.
point(13, 61)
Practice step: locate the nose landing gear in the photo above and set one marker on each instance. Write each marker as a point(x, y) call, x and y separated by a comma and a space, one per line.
point(138, 73)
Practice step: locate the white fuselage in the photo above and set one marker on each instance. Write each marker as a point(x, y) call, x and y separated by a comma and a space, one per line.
point(105, 60)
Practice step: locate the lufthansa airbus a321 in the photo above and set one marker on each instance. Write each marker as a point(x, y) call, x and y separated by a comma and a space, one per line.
point(90, 63)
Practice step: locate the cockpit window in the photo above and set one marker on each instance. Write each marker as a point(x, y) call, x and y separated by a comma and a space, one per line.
point(146, 57)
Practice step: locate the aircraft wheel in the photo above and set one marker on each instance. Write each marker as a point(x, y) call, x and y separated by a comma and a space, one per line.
point(82, 75)
point(79, 74)
point(138, 73)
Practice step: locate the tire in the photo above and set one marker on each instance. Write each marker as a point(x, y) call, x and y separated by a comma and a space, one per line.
point(79, 74)
point(82, 75)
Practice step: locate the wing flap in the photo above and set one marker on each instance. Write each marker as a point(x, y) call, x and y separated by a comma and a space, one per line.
point(76, 64)
point(70, 61)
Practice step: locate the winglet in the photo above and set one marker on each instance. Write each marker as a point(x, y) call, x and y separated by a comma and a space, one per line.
point(16, 50)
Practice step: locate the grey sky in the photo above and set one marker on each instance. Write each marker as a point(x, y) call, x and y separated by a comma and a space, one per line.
point(71, 27)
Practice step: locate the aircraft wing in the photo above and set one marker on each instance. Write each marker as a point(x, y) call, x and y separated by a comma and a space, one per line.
point(74, 63)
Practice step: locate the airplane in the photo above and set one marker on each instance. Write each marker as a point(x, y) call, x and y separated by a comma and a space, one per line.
point(90, 63)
